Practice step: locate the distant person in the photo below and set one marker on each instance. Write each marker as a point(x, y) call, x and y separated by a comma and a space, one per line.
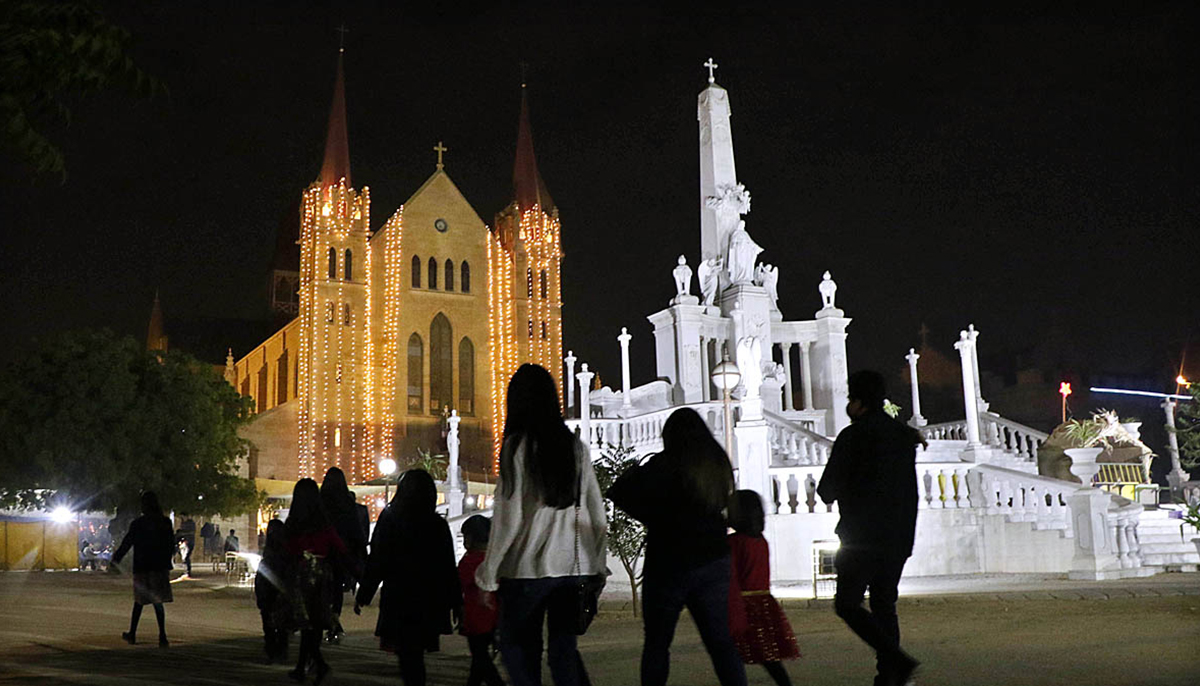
point(87, 556)
point(548, 534)
point(760, 629)
point(153, 541)
point(479, 614)
point(681, 495)
point(207, 534)
point(412, 555)
point(270, 584)
point(232, 545)
point(186, 535)
point(351, 521)
point(872, 476)
point(314, 551)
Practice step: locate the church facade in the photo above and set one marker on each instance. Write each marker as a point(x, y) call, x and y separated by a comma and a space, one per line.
point(397, 327)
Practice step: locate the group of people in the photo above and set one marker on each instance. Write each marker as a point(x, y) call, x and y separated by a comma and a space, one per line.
point(540, 561)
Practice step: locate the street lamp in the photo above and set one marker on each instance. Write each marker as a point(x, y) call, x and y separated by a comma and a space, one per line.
point(387, 467)
point(727, 376)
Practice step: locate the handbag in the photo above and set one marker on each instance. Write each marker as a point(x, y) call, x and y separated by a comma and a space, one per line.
point(587, 589)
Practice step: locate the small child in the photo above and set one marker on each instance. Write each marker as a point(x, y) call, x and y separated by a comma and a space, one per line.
point(479, 607)
point(268, 592)
point(759, 627)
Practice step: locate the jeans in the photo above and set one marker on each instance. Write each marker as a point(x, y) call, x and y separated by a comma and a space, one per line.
point(483, 670)
point(524, 605)
point(858, 570)
point(704, 590)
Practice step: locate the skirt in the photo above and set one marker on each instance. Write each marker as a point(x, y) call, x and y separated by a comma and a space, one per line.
point(768, 636)
point(151, 588)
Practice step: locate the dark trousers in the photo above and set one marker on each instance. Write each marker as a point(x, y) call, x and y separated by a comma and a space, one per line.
point(159, 614)
point(859, 570)
point(704, 590)
point(483, 670)
point(275, 640)
point(525, 604)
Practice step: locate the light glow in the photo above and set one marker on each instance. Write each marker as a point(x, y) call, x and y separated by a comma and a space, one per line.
point(61, 514)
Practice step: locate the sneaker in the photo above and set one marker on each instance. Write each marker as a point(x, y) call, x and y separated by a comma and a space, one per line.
point(129, 637)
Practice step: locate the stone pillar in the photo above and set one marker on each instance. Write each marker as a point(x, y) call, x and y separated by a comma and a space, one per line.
point(1095, 549)
point(454, 490)
point(787, 376)
point(830, 392)
point(623, 339)
point(585, 414)
point(752, 443)
point(917, 420)
point(806, 374)
point(1176, 477)
point(569, 382)
point(974, 335)
point(970, 402)
point(705, 370)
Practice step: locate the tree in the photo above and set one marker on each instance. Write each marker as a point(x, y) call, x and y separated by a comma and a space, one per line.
point(1187, 429)
point(92, 420)
point(626, 535)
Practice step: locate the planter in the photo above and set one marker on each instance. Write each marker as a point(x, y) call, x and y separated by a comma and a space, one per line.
point(1083, 463)
point(1196, 542)
point(1134, 429)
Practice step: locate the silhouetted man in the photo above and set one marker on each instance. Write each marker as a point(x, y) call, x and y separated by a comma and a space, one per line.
point(872, 475)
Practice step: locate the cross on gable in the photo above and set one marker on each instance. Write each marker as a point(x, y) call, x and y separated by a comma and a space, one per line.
point(439, 149)
point(711, 66)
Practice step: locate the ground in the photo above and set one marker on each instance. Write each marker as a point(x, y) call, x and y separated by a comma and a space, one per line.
point(64, 628)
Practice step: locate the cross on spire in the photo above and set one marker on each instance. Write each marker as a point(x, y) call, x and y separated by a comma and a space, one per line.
point(524, 72)
point(439, 149)
point(711, 66)
point(342, 30)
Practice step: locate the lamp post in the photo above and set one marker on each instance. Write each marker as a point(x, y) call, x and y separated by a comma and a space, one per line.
point(727, 376)
point(387, 466)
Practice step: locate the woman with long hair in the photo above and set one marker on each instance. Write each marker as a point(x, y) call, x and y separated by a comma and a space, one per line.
point(315, 550)
point(548, 533)
point(153, 541)
point(681, 495)
point(352, 521)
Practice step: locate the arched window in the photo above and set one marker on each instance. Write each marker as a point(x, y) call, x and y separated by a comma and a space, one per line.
point(441, 364)
point(449, 275)
point(416, 364)
point(466, 377)
point(348, 268)
point(346, 314)
point(529, 283)
point(545, 335)
point(545, 287)
point(466, 277)
point(433, 270)
point(333, 263)
point(416, 272)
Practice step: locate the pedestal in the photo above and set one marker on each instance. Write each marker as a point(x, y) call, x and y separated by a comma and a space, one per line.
point(1095, 550)
point(753, 445)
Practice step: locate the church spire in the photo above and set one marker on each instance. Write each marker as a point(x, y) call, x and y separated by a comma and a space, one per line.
point(156, 337)
point(337, 143)
point(528, 187)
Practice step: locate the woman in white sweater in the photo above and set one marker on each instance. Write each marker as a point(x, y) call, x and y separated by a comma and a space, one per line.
point(548, 531)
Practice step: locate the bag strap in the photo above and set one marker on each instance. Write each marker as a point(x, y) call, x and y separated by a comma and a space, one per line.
point(578, 498)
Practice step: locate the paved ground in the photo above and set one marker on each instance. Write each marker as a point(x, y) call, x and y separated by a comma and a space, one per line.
point(64, 628)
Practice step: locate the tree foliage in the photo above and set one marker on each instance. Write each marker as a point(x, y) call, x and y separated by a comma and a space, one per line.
point(94, 420)
point(1187, 428)
point(626, 535)
point(50, 53)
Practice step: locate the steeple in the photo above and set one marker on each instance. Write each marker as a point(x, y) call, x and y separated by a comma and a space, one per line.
point(337, 142)
point(156, 337)
point(722, 198)
point(528, 187)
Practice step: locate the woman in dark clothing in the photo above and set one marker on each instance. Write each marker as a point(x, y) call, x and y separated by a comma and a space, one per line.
point(352, 522)
point(681, 495)
point(314, 550)
point(153, 541)
point(412, 553)
point(268, 592)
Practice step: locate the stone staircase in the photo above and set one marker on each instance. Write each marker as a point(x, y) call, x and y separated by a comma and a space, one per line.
point(1167, 542)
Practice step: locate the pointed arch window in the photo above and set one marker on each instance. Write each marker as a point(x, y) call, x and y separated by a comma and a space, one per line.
point(449, 285)
point(416, 369)
point(348, 268)
point(346, 314)
point(333, 263)
point(529, 283)
point(465, 282)
point(433, 271)
point(466, 377)
point(441, 364)
point(545, 284)
point(416, 272)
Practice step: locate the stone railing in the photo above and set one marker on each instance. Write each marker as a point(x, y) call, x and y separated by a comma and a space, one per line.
point(940, 485)
point(946, 431)
point(1123, 517)
point(1021, 497)
point(794, 444)
point(643, 433)
point(999, 432)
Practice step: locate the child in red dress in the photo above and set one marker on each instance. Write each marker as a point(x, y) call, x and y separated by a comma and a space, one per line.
point(759, 627)
point(479, 607)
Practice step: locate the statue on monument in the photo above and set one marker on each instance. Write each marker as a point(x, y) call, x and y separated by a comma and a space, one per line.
point(683, 277)
point(767, 276)
point(828, 290)
point(743, 252)
point(749, 362)
point(708, 273)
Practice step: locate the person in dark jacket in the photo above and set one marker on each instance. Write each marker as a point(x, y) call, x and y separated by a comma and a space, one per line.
point(352, 522)
point(269, 586)
point(872, 476)
point(681, 495)
point(412, 554)
point(153, 541)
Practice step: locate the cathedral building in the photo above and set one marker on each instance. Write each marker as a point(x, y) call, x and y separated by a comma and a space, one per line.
point(389, 329)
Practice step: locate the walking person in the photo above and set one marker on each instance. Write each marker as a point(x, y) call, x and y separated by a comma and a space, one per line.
point(269, 596)
point(207, 534)
point(231, 545)
point(872, 476)
point(760, 630)
point(681, 495)
point(412, 554)
point(548, 534)
point(187, 536)
point(479, 614)
point(314, 549)
point(351, 521)
point(153, 541)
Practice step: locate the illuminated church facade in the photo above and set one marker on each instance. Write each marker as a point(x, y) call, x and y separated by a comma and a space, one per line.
point(390, 329)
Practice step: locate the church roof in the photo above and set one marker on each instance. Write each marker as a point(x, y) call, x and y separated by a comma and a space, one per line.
point(337, 143)
point(528, 187)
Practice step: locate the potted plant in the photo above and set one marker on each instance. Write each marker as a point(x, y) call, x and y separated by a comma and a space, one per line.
point(1086, 437)
point(1192, 517)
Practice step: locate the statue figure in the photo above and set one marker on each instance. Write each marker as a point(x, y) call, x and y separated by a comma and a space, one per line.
point(743, 252)
point(749, 362)
point(683, 277)
point(767, 276)
point(828, 290)
point(708, 273)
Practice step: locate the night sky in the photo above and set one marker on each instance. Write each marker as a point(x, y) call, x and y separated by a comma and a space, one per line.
point(1023, 171)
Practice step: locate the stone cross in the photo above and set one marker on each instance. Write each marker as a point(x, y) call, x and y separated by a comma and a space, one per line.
point(711, 66)
point(342, 30)
point(970, 402)
point(439, 149)
point(917, 420)
point(570, 381)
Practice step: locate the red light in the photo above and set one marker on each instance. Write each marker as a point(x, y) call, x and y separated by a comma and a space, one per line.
point(1065, 389)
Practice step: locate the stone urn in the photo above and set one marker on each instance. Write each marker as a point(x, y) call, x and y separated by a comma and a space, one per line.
point(1134, 429)
point(1083, 463)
